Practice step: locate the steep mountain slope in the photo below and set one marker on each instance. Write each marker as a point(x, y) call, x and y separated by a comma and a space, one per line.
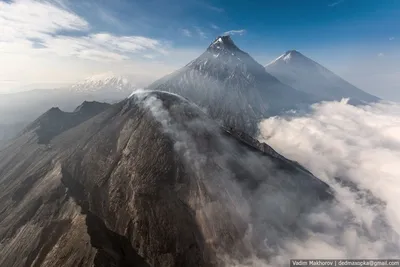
point(304, 74)
point(151, 181)
point(231, 86)
point(9, 130)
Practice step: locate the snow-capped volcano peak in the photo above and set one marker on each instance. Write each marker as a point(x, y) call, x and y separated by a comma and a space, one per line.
point(233, 87)
point(108, 81)
point(290, 56)
point(107, 76)
point(223, 42)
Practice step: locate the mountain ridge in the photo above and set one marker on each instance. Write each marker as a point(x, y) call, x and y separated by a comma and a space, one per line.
point(55, 121)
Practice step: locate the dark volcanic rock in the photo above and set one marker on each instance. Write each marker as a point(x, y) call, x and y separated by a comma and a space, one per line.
point(151, 181)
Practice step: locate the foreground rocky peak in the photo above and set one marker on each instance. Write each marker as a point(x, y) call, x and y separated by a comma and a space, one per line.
point(150, 181)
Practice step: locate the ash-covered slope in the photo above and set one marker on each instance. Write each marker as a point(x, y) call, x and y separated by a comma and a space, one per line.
point(232, 87)
point(151, 181)
point(304, 74)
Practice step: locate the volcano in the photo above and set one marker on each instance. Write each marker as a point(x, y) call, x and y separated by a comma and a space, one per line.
point(295, 69)
point(232, 87)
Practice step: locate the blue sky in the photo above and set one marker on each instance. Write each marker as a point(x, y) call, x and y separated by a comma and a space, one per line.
point(269, 25)
point(344, 35)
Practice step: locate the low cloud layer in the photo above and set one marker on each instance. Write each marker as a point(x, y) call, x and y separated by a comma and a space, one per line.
point(356, 150)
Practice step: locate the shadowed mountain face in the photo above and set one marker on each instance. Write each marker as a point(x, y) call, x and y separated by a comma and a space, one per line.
point(232, 87)
point(151, 181)
point(55, 121)
point(306, 75)
point(17, 110)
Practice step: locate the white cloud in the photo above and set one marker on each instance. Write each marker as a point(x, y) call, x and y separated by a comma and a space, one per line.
point(391, 38)
point(33, 19)
point(187, 32)
point(361, 146)
point(38, 34)
point(215, 27)
point(235, 32)
point(109, 18)
point(201, 33)
point(336, 3)
point(149, 56)
point(214, 8)
point(381, 54)
point(27, 22)
point(102, 46)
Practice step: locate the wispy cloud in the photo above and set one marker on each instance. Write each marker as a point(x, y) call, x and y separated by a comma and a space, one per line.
point(22, 19)
point(109, 18)
point(187, 32)
point(53, 44)
point(204, 4)
point(201, 33)
point(215, 27)
point(235, 32)
point(217, 9)
point(336, 3)
point(149, 56)
point(214, 8)
point(381, 54)
point(102, 46)
point(29, 25)
point(391, 38)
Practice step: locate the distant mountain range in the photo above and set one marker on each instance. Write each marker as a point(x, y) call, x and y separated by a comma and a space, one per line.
point(106, 82)
point(306, 75)
point(19, 109)
point(232, 87)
